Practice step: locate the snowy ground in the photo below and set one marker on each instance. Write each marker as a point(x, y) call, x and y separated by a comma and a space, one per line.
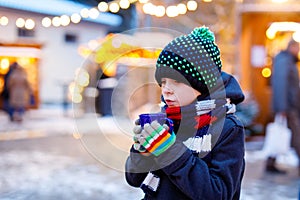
point(39, 175)
point(42, 159)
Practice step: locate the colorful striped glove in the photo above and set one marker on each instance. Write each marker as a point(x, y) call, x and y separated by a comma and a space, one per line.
point(137, 130)
point(155, 138)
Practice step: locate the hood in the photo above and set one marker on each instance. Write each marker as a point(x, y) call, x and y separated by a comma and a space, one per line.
point(232, 88)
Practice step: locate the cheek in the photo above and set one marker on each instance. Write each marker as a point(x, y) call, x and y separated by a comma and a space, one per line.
point(187, 99)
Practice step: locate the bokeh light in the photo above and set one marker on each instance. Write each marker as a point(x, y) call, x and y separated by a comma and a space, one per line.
point(266, 72)
point(103, 6)
point(20, 22)
point(3, 21)
point(46, 22)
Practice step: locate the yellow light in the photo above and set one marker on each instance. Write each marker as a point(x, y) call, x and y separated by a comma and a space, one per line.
point(56, 21)
point(160, 11)
point(20, 22)
point(143, 1)
point(24, 61)
point(281, 27)
point(110, 69)
point(74, 88)
point(71, 87)
point(172, 11)
point(3, 21)
point(296, 36)
point(148, 8)
point(114, 7)
point(271, 33)
point(181, 8)
point(103, 6)
point(93, 13)
point(65, 20)
point(84, 51)
point(4, 66)
point(124, 4)
point(29, 24)
point(192, 5)
point(93, 44)
point(75, 18)
point(84, 13)
point(207, 0)
point(266, 72)
point(46, 22)
point(83, 79)
point(77, 98)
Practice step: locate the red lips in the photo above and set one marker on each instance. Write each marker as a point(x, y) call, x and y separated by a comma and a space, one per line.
point(170, 102)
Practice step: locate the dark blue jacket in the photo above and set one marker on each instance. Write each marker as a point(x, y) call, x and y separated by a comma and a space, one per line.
point(285, 83)
point(184, 175)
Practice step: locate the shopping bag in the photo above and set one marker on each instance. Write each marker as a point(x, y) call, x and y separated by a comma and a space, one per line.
point(278, 137)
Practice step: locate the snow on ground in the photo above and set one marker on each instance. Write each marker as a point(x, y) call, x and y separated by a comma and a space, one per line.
point(39, 175)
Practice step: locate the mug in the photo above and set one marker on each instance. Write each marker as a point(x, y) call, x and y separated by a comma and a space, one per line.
point(159, 117)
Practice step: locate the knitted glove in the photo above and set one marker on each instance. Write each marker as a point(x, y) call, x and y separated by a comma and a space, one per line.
point(137, 130)
point(155, 138)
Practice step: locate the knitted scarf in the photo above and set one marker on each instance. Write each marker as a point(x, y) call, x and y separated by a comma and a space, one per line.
point(193, 122)
point(192, 125)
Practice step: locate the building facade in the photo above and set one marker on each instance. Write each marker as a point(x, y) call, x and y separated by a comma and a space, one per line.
point(49, 54)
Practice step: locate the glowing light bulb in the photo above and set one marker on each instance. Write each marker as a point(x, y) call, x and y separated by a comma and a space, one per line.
point(114, 7)
point(29, 24)
point(103, 6)
point(65, 20)
point(46, 22)
point(124, 4)
point(3, 21)
point(192, 5)
point(75, 18)
point(20, 22)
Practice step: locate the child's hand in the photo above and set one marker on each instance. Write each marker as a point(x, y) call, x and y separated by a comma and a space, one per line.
point(137, 130)
point(155, 138)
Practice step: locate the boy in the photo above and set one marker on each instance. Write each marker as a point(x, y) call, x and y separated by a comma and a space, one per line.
point(203, 157)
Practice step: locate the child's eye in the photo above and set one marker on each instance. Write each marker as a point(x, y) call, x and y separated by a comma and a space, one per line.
point(176, 81)
point(163, 82)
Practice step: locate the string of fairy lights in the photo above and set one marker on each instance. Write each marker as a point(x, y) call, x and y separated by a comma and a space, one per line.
point(157, 10)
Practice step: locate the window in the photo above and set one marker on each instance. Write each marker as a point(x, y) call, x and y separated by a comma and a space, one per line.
point(23, 32)
point(70, 38)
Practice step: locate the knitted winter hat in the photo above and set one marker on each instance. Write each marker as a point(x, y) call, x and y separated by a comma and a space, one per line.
point(193, 59)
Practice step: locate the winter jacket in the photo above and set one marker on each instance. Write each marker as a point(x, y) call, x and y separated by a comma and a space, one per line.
point(285, 83)
point(184, 174)
point(19, 88)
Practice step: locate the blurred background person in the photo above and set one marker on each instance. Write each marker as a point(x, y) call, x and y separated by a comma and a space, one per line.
point(19, 92)
point(5, 93)
point(285, 96)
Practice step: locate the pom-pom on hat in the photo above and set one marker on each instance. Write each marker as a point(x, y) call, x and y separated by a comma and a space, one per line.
point(193, 59)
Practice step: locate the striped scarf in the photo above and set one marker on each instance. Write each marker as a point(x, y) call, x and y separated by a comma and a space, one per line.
point(197, 134)
point(192, 122)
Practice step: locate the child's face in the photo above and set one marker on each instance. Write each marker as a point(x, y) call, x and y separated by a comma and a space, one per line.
point(176, 93)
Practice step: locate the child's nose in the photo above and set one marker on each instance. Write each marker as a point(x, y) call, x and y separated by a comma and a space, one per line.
point(167, 89)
